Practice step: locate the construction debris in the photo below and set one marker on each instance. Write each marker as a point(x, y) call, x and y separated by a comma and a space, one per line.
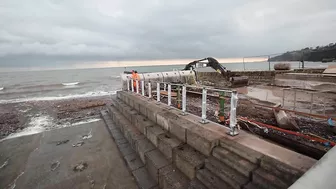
point(284, 120)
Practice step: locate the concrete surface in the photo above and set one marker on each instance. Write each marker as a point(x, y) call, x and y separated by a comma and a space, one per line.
point(188, 160)
point(37, 161)
point(321, 175)
point(226, 173)
point(166, 143)
point(240, 164)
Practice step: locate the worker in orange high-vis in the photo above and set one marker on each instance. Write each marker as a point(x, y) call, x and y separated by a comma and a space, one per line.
point(135, 77)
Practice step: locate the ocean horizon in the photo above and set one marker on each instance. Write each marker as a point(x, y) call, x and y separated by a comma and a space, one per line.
point(20, 86)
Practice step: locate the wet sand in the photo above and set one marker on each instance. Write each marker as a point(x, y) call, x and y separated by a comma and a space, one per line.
point(36, 116)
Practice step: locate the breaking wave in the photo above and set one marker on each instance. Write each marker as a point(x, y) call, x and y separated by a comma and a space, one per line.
point(70, 84)
point(2, 88)
point(50, 98)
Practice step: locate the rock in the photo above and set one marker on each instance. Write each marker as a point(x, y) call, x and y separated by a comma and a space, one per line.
point(80, 167)
point(62, 142)
point(282, 66)
point(284, 120)
point(80, 143)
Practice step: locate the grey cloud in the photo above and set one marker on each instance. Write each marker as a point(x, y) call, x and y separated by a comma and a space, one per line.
point(62, 32)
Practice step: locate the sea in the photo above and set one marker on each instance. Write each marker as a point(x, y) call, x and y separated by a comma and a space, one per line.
point(21, 86)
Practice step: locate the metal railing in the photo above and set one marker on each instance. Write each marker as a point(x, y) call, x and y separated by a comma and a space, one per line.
point(295, 101)
point(168, 87)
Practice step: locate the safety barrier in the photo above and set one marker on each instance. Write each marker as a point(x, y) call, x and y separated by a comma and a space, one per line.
point(311, 93)
point(168, 86)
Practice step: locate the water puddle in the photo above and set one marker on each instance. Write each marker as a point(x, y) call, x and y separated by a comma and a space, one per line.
point(264, 94)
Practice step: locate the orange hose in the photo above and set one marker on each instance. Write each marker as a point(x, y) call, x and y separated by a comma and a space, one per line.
point(289, 132)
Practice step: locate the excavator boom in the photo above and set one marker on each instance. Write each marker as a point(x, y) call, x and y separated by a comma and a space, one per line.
point(211, 62)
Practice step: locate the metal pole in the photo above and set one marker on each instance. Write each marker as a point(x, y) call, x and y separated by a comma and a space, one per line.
point(324, 109)
point(283, 97)
point(269, 63)
point(204, 101)
point(164, 87)
point(149, 90)
point(132, 85)
point(184, 99)
point(137, 86)
point(311, 102)
point(178, 97)
point(294, 99)
point(158, 92)
point(143, 88)
point(233, 115)
point(128, 84)
point(169, 94)
point(221, 106)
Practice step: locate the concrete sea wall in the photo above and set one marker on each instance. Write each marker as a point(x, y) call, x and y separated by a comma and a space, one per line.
point(256, 76)
point(179, 152)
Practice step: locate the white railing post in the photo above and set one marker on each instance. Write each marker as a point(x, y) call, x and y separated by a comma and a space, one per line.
point(204, 101)
point(233, 115)
point(149, 90)
point(143, 87)
point(132, 85)
point(184, 99)
point(164, 86)
point(169, 94)
point(158, 92)
point(128, 84)
point(137, 86)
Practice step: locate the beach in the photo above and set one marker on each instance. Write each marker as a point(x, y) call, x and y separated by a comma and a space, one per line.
point(24, 118)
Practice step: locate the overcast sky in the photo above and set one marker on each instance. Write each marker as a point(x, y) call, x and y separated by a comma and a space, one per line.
point(60, 32)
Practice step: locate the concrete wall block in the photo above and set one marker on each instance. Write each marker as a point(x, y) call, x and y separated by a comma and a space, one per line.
point(210, 180)
point(142, 123)
point(128, 114)
point(136, 105)
point(126, 149)
point(226, 173)
point(143, 103)
point(119, 94)
point(132, 134)
point(152, 110)
point(144, 179)
point(196, 184)
point(171, 178)
point(163, 117)
point(155, 161)
point(243, 151)
point(202, 139)
point(142, 147)
point(178, 127)
point(166, 143)
point(264, 179)
point(143, 110)
point(130, 103)
point(133, 161)
point(234, 161)
point(152, 133)
point(281, 170)
point(188, 160)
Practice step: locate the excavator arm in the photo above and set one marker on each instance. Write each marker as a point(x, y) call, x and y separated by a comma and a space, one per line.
point(213, 63)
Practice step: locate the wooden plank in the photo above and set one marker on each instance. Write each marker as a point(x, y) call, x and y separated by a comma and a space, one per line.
point(165, 93)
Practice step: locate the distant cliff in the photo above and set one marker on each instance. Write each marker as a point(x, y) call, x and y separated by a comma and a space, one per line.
point(320, 53)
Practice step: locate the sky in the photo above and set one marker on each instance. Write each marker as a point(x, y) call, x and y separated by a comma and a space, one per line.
point(89, 33)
